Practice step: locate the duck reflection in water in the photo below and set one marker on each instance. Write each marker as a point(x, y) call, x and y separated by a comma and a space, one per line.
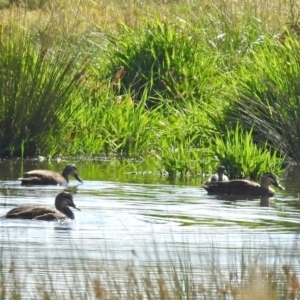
point(264, 200)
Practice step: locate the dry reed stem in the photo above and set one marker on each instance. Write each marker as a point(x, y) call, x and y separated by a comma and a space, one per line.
point(64, 18)
point(256, 292)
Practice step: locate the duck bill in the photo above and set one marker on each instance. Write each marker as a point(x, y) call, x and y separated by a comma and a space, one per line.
point(280, 186)
point(74, 206)
point(78, 178)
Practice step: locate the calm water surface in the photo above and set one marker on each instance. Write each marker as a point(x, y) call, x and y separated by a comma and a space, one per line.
point(131, 215)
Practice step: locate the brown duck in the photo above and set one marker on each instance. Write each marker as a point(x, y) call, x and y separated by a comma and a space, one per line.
point(244, 187)
point(43, 177)
point(219, 176)
point(63, 201)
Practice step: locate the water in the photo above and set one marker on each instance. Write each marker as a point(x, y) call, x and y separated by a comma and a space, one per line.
point(132, 216)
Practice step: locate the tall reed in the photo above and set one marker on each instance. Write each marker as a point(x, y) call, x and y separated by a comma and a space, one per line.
point(268, 94)
point(37, 86)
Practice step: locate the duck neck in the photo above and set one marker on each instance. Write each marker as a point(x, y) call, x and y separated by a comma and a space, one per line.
point(67, 211)
point(65, 175)
point(264, 186)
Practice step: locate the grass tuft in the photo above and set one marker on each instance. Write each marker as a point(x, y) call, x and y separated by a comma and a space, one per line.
point(243, 158)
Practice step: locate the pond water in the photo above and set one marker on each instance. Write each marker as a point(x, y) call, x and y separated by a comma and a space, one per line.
point(132, 216)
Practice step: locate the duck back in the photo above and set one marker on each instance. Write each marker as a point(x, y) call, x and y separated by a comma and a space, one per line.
point(43, 177)
point(237, 187)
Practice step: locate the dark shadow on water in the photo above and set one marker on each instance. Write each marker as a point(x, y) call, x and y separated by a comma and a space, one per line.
point(63, 228)
point(264, 200)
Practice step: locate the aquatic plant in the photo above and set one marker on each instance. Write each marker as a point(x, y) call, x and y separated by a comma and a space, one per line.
point(178, 158)
point(184, 142)
point(243, 158)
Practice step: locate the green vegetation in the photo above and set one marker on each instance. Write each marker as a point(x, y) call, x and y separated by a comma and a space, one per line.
point(37, 87)
point(236, 150)
point(172, 80)
point(268, 96)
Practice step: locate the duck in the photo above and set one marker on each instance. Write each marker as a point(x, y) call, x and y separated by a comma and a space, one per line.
point(220, 175)
point(244, 187)
point(47, 177)
point(63, 201)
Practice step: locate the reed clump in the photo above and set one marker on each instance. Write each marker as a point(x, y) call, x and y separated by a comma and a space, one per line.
point(37, 86)
point(265, 101)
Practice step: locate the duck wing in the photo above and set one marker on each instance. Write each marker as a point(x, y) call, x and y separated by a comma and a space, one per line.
point(43, 177)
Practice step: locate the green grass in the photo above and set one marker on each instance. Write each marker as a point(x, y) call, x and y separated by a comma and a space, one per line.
point(37, 87)
point(238, 153)
point(268, 95)
point(191, 72)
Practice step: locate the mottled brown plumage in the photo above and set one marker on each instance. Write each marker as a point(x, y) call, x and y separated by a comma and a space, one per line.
point(47, 177)
point(244, 187)
point(32, 212)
